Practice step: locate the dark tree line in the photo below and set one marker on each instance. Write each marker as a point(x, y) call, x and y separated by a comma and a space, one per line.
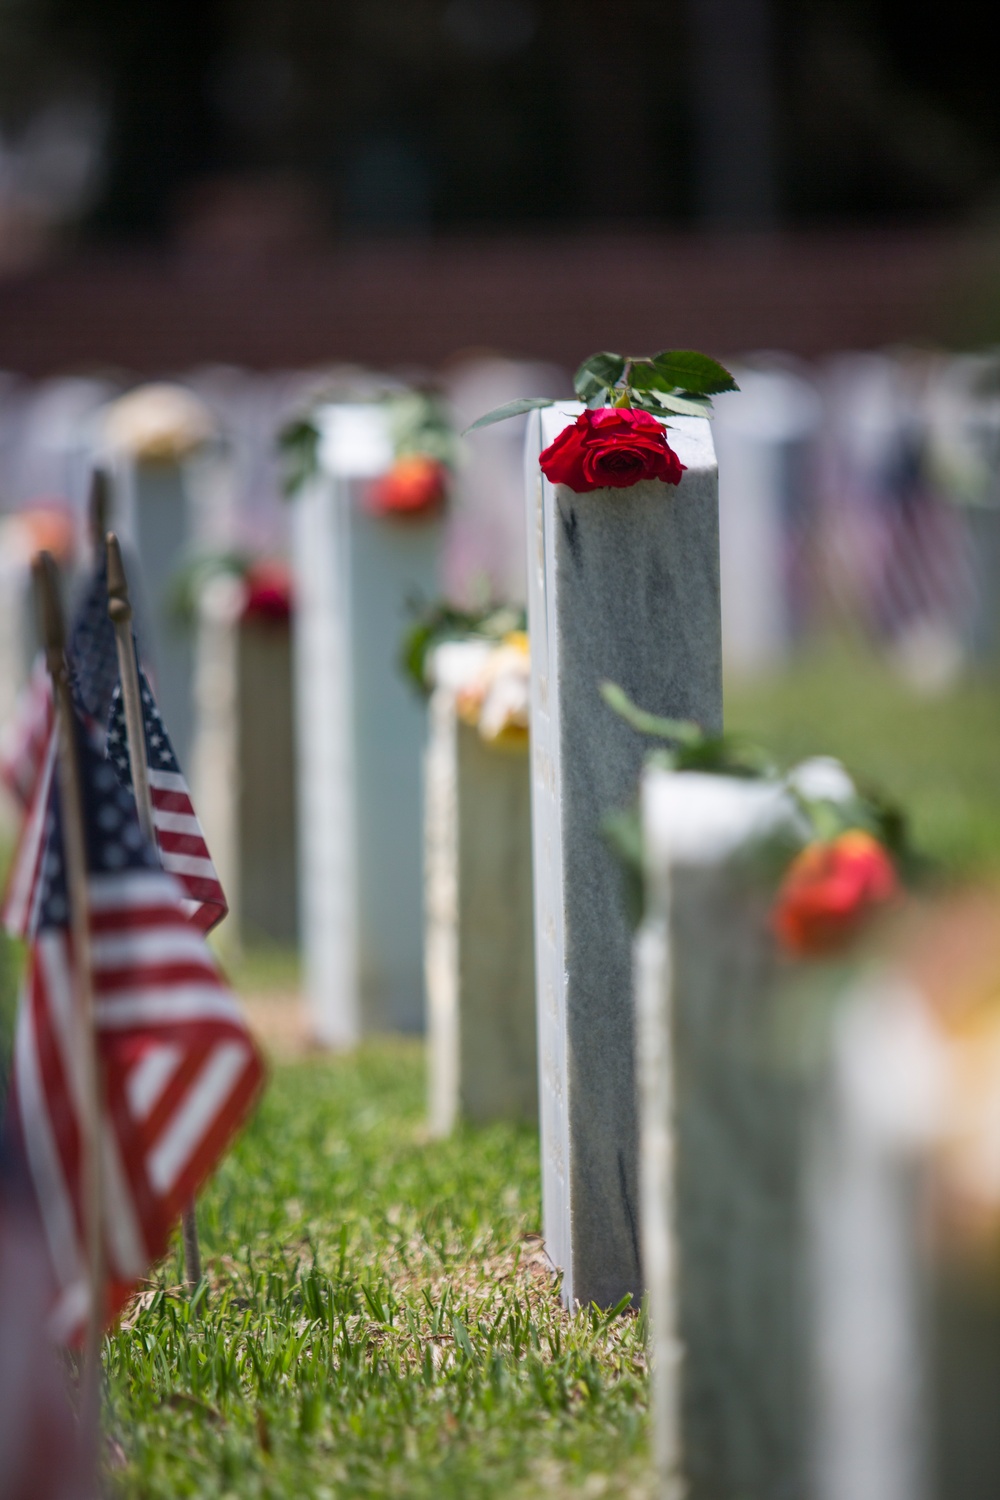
point(422, 114)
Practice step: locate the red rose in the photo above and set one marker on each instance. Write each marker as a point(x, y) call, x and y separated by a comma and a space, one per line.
point(610, 449)
point(830, 889)
point(268, 592)
point(415, 484)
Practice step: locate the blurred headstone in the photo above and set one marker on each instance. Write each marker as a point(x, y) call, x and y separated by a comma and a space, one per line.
point(963, 434)
point(720, 1202)
point(764, 438)
point(896, 560)
point(482, 1049)
point(485, 547)
point(48, 456)
point(820, 1190)
point(622, 585)
point(160, 439)
point(360, 733)
point(243, 761)
point(22, 536)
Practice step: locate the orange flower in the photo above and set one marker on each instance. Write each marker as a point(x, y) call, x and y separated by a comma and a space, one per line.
point(829, 891)
point(414, 485)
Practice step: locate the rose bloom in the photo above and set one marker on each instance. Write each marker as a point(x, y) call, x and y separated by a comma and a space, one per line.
point(497, 701)
point(414, 485)
point(268, 592)
point(611, 448)
point(829, 891)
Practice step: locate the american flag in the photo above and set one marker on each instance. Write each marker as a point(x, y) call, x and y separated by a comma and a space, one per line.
point(179, 835)
point(26, 737)
point(179, 1071)
point(93, 663)
point(92, 651)
point(28, 754)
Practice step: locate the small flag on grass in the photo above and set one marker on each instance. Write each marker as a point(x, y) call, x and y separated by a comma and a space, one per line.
point(179, 837)
point(179, 1071)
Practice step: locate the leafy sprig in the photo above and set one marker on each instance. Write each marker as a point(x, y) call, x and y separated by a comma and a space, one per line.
point(678, 381)
point(444, 622)
point(685, 746)
point(418, 422)
point(298, 449)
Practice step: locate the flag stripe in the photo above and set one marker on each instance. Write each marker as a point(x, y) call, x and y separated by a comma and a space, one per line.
point(205, 1100)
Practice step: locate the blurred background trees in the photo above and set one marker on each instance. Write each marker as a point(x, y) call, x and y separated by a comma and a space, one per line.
point(343, 117)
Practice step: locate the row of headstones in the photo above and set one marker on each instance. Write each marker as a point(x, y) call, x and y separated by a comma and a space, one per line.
point(768, 1212)
point(713, 1130)
point(223, 682)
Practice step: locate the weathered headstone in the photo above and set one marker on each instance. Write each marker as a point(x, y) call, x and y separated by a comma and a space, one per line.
point(360, 733)
point(815, 1333)
point(16, 637)
point(155, 435)
point(622, 585)
point(482, 1049)
point(765, 438)
point(720, 1143)
point(243, 763)
point(485, 549)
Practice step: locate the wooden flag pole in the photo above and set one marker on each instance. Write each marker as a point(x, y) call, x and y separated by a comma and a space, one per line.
point(99, 506)
point(120, 611)
point(53, 632)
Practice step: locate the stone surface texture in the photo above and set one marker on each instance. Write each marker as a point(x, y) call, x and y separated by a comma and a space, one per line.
point(622, 585)
point(360, 733)
point(482, 1050)
point(721, 1207)
point(153, 509)
point(814, 1336)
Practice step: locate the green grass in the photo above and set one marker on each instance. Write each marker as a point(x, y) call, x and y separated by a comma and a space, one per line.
point(264, 969)
point(939, 757)
point(378, 1320)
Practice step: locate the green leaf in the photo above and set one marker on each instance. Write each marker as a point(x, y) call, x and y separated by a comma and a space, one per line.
point(687, 370)
point(724, 755)
point(682, 406)
point(622, 832)
point(443, 622)
point(599, 373)
point(298, 445)
point(684, 731)
point(511, 409)
point(644, 376)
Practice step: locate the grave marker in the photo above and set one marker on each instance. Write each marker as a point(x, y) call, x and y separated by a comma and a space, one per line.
point(720, 1136)
point(360, 734)
point(243, 762)
point(622, 585)
point(482, 1049)
point(819, 1193)
point(156, 434)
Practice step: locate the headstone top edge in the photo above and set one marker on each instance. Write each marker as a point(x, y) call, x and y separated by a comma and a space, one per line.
point(694, 818)
point(354, 440)
point(455, 664)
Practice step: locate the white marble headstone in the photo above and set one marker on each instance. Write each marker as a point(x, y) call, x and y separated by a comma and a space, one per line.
point(158, 439)
point(764, 437)
point(360, 733)
point(622, 585)
point(482, 1052)
point(243, 764)
point(814, 1334)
